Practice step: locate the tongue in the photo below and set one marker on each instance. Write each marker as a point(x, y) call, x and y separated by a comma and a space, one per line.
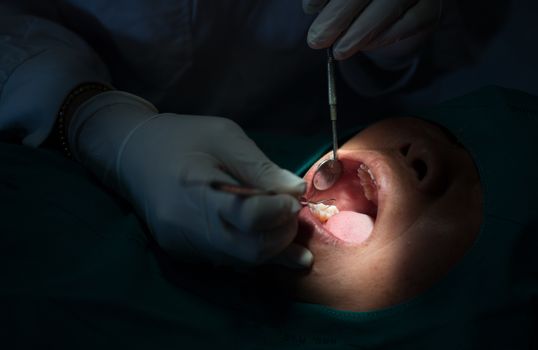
point(350, 226)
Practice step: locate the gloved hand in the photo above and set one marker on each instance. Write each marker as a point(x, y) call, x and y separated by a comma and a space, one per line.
point(366, 25)
point(163, 163)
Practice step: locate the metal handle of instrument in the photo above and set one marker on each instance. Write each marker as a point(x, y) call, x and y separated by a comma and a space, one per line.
point(332, 98)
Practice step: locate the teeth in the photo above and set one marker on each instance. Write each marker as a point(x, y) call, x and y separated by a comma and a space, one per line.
point(367, 182)
point(322, 211)
point(363, 167)
point(371, 176)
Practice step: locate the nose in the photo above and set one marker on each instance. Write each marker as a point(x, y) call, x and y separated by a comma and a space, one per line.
point(429, 164)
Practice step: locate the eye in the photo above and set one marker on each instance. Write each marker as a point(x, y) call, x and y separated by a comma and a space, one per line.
point(420, 168)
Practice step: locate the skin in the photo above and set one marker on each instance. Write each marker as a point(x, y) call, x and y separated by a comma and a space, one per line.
point(428, 215)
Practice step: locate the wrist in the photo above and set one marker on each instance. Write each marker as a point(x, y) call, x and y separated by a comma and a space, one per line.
point(99, 128)
point(58, 139)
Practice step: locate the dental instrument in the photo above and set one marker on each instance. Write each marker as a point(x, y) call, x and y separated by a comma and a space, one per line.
point(330, 170)
point(244, 191)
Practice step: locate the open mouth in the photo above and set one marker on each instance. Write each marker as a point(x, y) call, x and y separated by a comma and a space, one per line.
point(350, 218)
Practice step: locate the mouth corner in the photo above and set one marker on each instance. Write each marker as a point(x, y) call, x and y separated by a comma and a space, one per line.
point(307, 226)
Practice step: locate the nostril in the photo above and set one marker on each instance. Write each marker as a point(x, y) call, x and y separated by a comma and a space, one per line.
point(405, 149)
point(420, 168)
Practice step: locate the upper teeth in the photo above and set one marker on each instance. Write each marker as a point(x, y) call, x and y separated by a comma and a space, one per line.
point(363, 167)
point(367, 182)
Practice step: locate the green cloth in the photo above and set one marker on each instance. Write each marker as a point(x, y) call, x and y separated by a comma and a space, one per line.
point(78, 270)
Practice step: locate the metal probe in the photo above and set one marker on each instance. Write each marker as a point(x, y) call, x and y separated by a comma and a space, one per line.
point(332, 98)
point(244, 191)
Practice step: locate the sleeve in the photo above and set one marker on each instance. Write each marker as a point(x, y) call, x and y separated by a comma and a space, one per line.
point(40, 63)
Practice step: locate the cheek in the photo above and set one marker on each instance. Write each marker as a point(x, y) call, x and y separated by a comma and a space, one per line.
point(424, 252)
point(402, 208)
point(395, 273)
point(384, 276)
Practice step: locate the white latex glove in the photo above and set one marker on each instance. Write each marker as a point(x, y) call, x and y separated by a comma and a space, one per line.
point(162, 163)
point(366, 25)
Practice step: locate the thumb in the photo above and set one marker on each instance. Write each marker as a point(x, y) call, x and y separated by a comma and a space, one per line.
point(248, 164)
point(272, 177)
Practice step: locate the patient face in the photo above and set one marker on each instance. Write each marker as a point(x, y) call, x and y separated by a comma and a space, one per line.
point(423, 212)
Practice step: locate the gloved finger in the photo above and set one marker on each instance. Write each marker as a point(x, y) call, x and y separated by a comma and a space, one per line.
point(254, 246)
point(232, 225)
point(176, 210)
point(294, 256)
point(313, 6)
point(422, 17)
point(372, 22)
point(332, 21)
point(260, 213)
point(200, 169)
point(271, 177)
point(242, 158)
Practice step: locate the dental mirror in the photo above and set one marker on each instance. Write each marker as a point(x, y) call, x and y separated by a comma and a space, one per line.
point(327, 173)
point(330, 170)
